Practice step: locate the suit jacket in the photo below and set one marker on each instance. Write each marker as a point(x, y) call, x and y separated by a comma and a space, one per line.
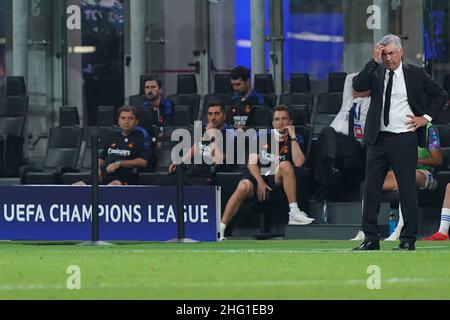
point(425, 96)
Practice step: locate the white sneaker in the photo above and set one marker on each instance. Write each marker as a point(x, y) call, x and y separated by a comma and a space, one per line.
point(395, 235)
point(299, 218)
point(222, 239)
point(359, 236)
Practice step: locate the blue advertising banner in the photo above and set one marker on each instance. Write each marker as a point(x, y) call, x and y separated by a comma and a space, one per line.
point(141, 213)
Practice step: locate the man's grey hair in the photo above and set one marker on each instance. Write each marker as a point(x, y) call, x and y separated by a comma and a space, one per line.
point(391, 38)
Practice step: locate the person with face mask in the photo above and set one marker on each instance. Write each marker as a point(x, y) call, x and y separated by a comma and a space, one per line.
point(270, 168)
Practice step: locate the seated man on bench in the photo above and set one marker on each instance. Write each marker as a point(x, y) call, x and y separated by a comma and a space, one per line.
point(270, 168)
point(209, 151)
point(126, 150)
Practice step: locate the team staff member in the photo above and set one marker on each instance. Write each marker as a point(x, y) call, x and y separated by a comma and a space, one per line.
point(210, 151)
point(396, 123)
point(245, 98)
point(270, 168)
point(124, 151)
point(161, 108)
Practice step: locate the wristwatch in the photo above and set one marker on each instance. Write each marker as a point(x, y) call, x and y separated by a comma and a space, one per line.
point(119, 163)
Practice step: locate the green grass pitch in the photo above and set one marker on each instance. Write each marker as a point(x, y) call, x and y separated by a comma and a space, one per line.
point(227, 270)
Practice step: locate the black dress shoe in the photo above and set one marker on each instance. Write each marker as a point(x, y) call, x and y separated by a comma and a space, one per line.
point(368, 245)
point(405, 246)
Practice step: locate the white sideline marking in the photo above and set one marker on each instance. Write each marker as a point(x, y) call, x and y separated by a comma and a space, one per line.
point(284, 283)
point(232, 251)
point(183, 251)
point(396, 280)
point(193, 251)
point(431, 247)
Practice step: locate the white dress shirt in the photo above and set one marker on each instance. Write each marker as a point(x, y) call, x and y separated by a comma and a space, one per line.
point(400, 108)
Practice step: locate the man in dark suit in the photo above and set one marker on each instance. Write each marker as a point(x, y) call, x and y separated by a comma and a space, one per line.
point(403, 100)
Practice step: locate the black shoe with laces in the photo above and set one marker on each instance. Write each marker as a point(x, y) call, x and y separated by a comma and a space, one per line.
point(405, 246)
point(368, 246)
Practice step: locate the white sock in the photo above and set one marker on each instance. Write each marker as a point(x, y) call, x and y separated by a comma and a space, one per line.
point(293, 206)
point(222, 230)
point(445, 221)
point(401, 222)
point(429, 182)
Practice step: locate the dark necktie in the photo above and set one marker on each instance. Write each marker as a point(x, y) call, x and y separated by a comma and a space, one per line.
point(387, 103)
point(351, 121)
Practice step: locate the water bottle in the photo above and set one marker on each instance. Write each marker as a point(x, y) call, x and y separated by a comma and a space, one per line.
point(325, 212)
point(392, 222)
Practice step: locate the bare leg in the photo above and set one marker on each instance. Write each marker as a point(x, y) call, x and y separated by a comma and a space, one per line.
point(79, 183)
point(286, 176)
point(447, 197)
point(390, 183)
point(244, 191)
point(444, 227)
point(115, 183)
point(421, 179)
